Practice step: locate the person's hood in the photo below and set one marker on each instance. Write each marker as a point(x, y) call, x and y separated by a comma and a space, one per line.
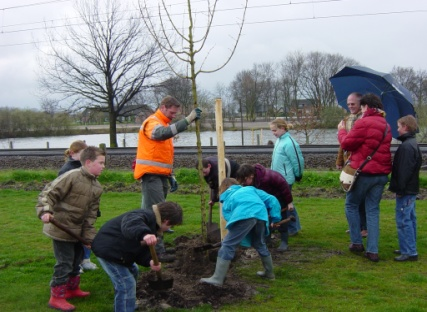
point(230, 191)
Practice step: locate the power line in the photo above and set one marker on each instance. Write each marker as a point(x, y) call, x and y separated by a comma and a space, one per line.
point(231, 24)
point(180, 14)
point(32, 4)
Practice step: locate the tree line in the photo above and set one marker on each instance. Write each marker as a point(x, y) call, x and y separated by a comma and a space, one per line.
point(112, 65)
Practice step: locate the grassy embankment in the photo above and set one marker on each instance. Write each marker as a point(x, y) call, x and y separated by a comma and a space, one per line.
point(319, 275)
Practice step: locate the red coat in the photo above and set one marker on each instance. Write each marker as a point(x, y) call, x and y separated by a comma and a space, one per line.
point(363, 138)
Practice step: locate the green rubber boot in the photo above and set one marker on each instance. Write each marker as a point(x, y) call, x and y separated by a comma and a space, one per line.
point(283, 242)
point(220, 272)
point(267, 262)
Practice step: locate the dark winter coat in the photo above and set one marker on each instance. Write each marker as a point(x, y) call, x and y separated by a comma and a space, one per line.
point(119, 240)
point(212, 177)
point(273, 183)
point(363, 138)
point(73, 199)
point(406, 166)
point(70, 165)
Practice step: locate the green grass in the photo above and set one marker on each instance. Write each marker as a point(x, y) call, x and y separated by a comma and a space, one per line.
point(319, 273)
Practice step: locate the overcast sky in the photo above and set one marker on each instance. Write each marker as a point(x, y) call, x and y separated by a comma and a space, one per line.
point(378, 34)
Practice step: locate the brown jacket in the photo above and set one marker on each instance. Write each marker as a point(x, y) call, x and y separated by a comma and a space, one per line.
point(73, 199)
point(349, 122)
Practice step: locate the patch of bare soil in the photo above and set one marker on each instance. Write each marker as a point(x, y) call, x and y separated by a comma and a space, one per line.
point(191, 265)
point(187, 292)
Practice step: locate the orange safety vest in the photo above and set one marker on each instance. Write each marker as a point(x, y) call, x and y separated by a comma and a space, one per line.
point(153, 156)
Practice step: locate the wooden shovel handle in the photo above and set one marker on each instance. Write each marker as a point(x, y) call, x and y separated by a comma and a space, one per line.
point(155, 260)
point(69, 232)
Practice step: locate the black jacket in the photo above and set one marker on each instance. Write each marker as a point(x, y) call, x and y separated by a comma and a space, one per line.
point(70, 165)
point(119, 240)
point(406, 166)
point(212, 177)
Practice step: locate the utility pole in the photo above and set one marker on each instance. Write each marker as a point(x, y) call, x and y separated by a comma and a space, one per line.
point(241, 121)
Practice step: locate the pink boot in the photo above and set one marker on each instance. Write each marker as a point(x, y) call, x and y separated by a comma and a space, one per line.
point(57, 299)
point(73, 289)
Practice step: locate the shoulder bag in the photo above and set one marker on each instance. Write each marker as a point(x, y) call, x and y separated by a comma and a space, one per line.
point(299, 176)
point(348, 176)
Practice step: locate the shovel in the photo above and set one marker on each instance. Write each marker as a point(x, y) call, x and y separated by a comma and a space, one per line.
point(214, 233)
point(160, 283)
point(207, 247)
point(69, 232)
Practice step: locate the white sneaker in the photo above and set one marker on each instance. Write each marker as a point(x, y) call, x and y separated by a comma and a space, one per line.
point(81, 270)
point(88, 266)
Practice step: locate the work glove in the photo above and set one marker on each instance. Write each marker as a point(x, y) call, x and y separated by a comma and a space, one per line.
point(173, 183)
point(194, 115)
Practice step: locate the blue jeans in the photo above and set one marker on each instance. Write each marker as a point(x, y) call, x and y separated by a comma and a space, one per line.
point(406, 222)
point(238, 231)
point(370, 189)
point(124, 281)
point(293, 227)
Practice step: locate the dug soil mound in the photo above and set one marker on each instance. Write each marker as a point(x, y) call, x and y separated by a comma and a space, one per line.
point(191, 265)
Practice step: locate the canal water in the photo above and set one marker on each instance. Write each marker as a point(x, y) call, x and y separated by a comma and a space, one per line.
point(186, 138)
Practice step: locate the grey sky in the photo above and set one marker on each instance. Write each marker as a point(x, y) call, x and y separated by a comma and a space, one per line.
point(379, 34)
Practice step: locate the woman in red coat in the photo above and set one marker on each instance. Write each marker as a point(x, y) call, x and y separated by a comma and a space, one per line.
point(368, 133)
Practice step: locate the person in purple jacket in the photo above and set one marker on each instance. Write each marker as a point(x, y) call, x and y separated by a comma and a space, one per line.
point(273, 183)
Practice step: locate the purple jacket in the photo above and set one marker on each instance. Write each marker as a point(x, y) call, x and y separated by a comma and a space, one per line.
point(273, 183)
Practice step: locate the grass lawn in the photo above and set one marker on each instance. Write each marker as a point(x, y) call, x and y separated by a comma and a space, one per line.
point(320, 274)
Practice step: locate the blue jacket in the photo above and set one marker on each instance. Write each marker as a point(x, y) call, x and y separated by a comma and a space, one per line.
point(241, 203)
point(285, 160)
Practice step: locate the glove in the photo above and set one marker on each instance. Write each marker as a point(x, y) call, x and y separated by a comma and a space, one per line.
point(173, 183)
point(194, 115)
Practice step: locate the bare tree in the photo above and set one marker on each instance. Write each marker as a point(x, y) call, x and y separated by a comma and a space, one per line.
point(289, 77)
point(416, 83)
point(317, 69)
point(102, 63)
point(186, 51)
point(245, 92)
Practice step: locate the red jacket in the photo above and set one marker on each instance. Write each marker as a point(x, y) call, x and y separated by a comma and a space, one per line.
point(363, 138)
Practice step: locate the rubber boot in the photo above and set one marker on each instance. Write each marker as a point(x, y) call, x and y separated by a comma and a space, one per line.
point(267, 262)
point(220, 272)
point(73, 289)
point(283, 242)
point(57, 299)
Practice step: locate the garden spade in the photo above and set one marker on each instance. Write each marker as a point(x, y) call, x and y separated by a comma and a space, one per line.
point(214, 233)
point(160, 283)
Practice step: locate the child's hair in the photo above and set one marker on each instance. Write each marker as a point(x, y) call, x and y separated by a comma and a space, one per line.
point(244, 171)
point(170, 211)
point(410, 122)
point(91, 153)
point(75, 147)
point(281, 124)
point(226, 183)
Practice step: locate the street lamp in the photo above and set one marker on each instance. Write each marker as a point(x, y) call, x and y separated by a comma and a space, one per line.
point(241, 120)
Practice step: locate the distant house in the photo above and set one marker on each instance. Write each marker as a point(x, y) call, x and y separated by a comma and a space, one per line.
point(130, 113)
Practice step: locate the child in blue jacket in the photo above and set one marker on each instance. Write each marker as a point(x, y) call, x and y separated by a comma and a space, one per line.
point(246, 210)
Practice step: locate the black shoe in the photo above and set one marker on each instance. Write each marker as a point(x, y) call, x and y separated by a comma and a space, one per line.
point(356, 247)
point(406, 258)
point(164, 257)
point(397, 252)
point(372, 256)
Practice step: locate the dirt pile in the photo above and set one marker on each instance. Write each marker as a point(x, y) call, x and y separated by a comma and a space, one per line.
point(191, 265)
